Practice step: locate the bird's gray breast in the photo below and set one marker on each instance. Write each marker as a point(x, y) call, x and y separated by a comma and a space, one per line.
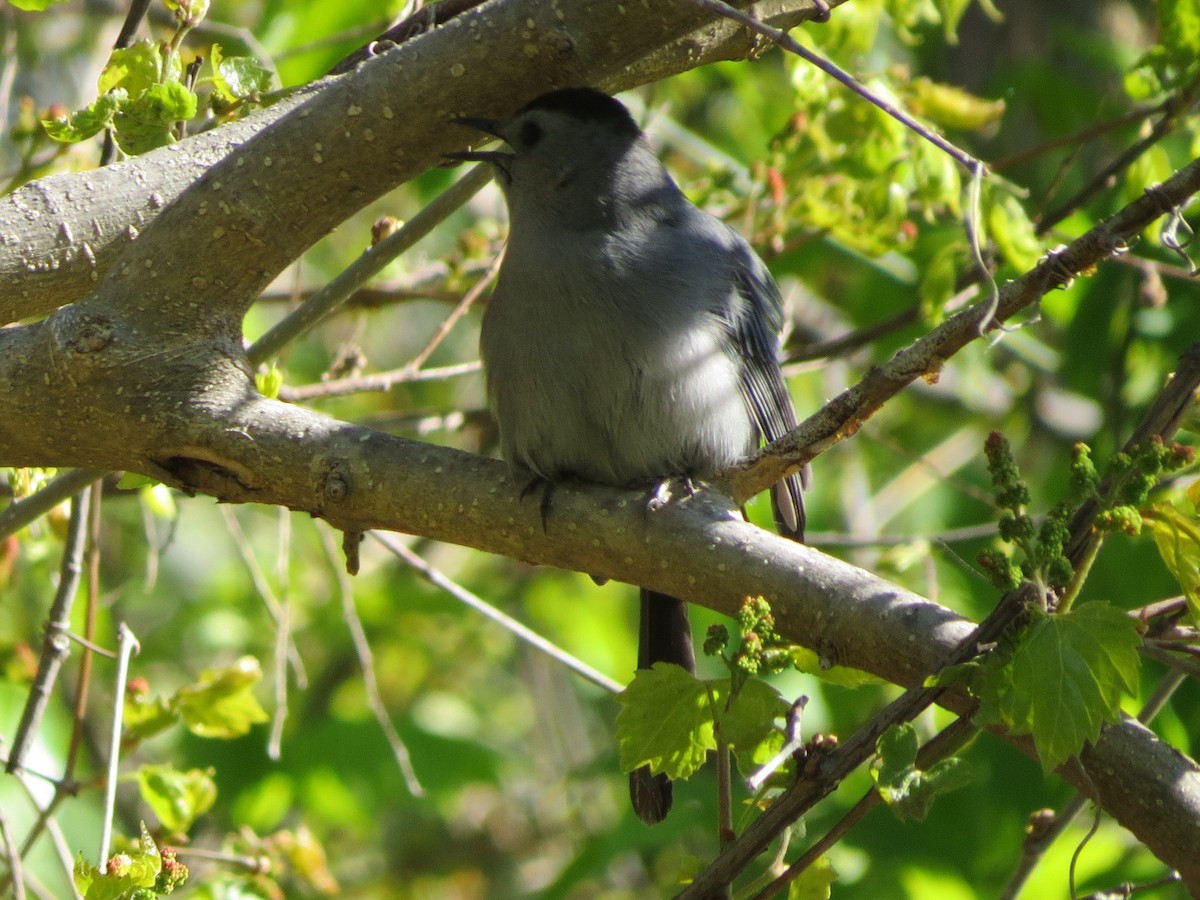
point(612, 367)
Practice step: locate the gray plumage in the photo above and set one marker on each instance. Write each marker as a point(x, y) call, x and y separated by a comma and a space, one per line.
point(631, 336)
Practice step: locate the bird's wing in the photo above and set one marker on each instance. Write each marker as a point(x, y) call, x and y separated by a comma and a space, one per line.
point(754, 316)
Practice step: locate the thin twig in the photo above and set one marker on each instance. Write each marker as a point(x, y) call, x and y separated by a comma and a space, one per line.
point(354, 276)
point(522, 632)
point(787, 42)
point(1105, 176)
point(380, 381)
point(127, 645)
point(457, 313)
point(55, 643)
point(83, 681)
point(366, 662)
point(1072, 140)
point(945, 743)
point(21, 512)
point(263, 586)
point(283, 634)
point(16, 872)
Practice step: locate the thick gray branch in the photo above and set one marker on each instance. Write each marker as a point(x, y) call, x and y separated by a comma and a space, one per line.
point(369, 131)
point(148, 374)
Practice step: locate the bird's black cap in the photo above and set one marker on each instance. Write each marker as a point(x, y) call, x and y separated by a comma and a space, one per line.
point(586, 104)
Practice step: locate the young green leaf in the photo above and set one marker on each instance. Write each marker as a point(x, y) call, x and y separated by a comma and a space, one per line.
point(813, 883)
point(177, 798)
point(1063, 679)
point(84, 123)
point(145, 717)
point(222, 704)
point(1178, 539)
point(238, 77)
point(134, 68)
point(751, 715)
point(665, 721)
point(907, 790)
point(148, 122)
point(130, 874)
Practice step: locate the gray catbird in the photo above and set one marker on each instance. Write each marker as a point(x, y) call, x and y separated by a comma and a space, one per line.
point(631, 337)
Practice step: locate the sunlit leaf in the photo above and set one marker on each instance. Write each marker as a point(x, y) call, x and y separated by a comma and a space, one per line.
point(222, 703)
point(665, 721)
point(1063, 679)
point(177, 798)
point(1177, 536)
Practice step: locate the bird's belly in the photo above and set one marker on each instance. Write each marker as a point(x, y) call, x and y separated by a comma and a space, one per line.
point(621, 411)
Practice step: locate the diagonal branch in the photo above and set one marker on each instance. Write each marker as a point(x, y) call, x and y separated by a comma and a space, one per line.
point(924, 358)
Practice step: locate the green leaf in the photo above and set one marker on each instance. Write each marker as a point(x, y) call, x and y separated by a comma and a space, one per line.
point(813, 883)
point(34, 5)
point(1179, 30)
point(897, 750)
point(129, 874)
point(809, 662)
point(1178, 539)
point(751, 715)
point(84, 123)
point(948, 106)
point(131, 480)
point(221, 704)
point(938, 282)
point(907, 790)
point(751, 759)
point(148, 122)
point(1063, 679)
point(159, 500)
point(269, 382)
point(144, 717)
point(1010, 227)
point(238, 77)
point(665, 721)
point(951, 12)
point(177, 798)
point(135, 69)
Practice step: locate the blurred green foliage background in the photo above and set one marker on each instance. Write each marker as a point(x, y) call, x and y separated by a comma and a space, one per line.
point(860, 222)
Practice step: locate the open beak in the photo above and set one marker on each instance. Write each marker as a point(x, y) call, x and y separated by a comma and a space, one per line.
point(487, 126)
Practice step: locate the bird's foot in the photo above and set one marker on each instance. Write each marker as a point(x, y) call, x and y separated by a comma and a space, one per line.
point(547, 501)
point(661, 494)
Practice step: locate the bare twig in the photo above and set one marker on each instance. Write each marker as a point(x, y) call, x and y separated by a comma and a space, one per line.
point(522, 632)
point(127, 645)
point(84, 679)
point(1104, 178)
point(381, 381)
point(1079, 137)
point(263, 586)
point(354, 276)
point(457, 313)
point(283, 633)
point(22, 512)
point(787, 42)
point(366, 662)
point(55, 644)
point(16, 872)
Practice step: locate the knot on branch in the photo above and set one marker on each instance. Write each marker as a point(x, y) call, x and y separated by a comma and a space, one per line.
point(336, 483)
point(79, 332)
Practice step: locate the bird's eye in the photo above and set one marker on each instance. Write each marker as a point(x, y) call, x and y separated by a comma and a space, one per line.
point(531, 133)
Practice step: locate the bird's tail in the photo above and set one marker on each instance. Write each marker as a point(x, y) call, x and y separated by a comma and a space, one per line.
point(665, 636)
